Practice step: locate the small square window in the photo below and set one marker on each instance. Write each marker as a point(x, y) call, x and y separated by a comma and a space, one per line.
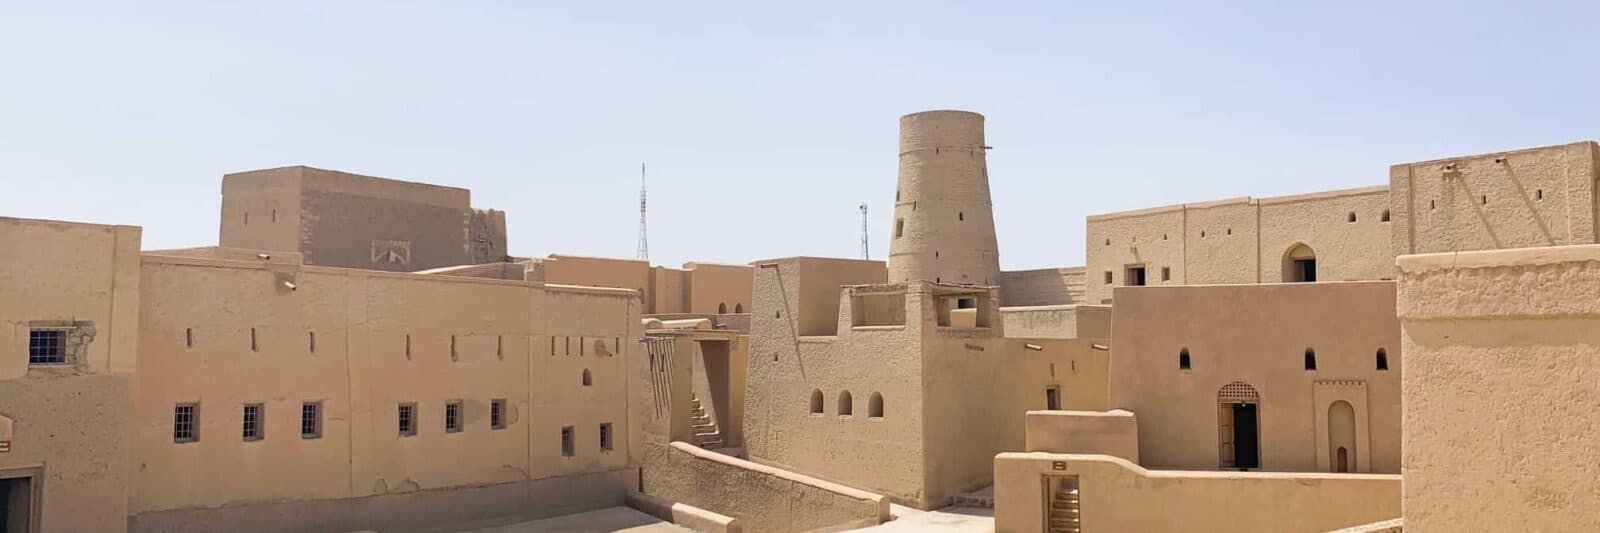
point(605, 437)
point(1108, 277)
point(497, 413)
point(47, 347)
point(1166, 273)
point(452, 417)
point(252, 421)
point(311, 420)
point(567, 447)
point(407, 416)
point(186, 422)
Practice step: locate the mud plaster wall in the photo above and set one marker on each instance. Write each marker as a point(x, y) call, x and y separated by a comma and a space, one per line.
point(1257, 334)
point(760, 497)
point(502, 337)
point(70, 420)
point(1048, 286)
point(1500, 399)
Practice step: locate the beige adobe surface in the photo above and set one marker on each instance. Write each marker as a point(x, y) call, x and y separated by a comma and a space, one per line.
point(349, 220)
point(67, 425)
point(1500, 389)
point(1258, 335)
point(943, 219)
point(1119, 496)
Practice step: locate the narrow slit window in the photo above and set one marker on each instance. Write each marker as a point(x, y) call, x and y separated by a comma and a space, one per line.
point(254, 346)
point(605, 437)
point(311, 341)
point(1311, 359)
point(1383, 359)
point(1183, 359)
point(454, 355)
point(188, 337)
point(408, 346)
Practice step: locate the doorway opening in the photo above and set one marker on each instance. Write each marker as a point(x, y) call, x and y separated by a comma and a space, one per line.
point(1300, 264)
point(1135, 276)
point(19, 501)
point(1238, 426)
point(1052, 398)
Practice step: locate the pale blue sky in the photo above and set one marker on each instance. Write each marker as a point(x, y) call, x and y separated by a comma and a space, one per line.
point(764, 125)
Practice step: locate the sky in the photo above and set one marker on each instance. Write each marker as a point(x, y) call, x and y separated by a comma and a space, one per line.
point(765, 124)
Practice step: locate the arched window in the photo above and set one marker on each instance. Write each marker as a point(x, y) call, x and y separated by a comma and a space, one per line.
point(1342, 437)
point(816, 402)
point(1183, 359)
point(587, 379)
point(875, 406)
point(846, 406)
point(1299, 264)
point(1383, 359)
point(1311, 359)
point(722, 308)
point(738, 309)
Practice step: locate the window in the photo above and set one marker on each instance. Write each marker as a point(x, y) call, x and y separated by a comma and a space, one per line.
point(722, 308)
point(875, 406)
point(552, 345)
point(567, 448)
point(846, 406)
point(252, 421)
point(185, 422)
point(247, 218)
point(311, 420)
point(738, 309)
point(1052, 398)
point(1134, 277)
point(1538, 194)
point(1383, 359)
point(408, 346)
point(500, 347)
point(1108, 242)
point(452, 417)
point(188, 337)
point(899, 227)
point(1108, 277)
point(1351, 218)
point(254, 346)
point(454, 355)
point(1311, 359)
point(605, 437)
point(311, 340)
point(1183, 359)
point(1202, 234)
point(816, 402)
point(1384, 217)
point(47, 347)
point(966, 303)
point(274, 215)
point(1484, 199)
point(406, 415)
point(1431, 205)
point(587, 379)
point(497, 413)
point(1300, 264)
point(1166, 273)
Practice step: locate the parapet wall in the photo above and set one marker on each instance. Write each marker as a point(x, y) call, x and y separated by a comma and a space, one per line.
point(1499, 390)
point(762, 498)
point(1114, 433)
point(1118, 496)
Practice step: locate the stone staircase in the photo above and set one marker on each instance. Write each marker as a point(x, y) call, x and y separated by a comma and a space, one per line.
point(1064, 512)
point(706, 434)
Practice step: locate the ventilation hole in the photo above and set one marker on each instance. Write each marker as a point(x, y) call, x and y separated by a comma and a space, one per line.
point(1484, 199)
point(961, 216)
point(1351, 217)
point(1183, 359)
point(1538, 194)
point(1385, 216)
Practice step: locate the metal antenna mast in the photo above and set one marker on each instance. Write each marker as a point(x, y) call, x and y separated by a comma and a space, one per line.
point(864, 253)
point(644, 241)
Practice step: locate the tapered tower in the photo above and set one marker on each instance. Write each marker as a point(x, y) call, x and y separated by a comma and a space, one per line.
point(943, 219)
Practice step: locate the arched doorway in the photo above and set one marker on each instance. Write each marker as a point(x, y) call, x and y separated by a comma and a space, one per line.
point(1342, 437)
point(1299, 264)
point(1238, 426)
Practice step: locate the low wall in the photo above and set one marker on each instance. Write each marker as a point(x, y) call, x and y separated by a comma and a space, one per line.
point(682, 514)
point(1057, 321)
point(1395, 525)
point(760, 497)
point(1116, 495)
point(423, 511)
point(1114, 433)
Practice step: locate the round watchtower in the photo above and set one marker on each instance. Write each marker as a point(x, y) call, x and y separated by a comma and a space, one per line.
point(943, 219)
